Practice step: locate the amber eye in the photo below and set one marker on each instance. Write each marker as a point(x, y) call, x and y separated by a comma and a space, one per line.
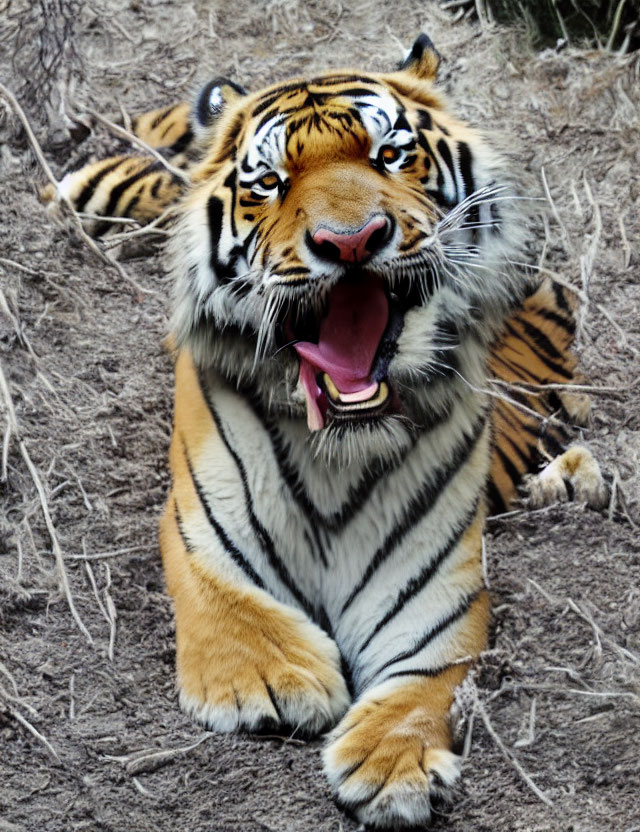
point(269, 181)
point(389, 154)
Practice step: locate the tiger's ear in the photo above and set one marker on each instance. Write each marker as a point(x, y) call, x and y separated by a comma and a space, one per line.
point(423, 60)
point(213, 98)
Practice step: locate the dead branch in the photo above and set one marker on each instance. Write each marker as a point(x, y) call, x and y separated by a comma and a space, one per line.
point(14, 429)
point(26, 724)
point(114, 553)
point(111, 610)
point(479, 708)
point(135, 140)
point(551, 419)
point(139, 762)
point(530, 387)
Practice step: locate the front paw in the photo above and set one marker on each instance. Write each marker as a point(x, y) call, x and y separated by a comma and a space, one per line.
point(270, 679)
point(389, 758)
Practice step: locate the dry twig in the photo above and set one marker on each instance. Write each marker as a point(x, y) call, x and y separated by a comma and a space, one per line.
point(480, 709)
point(135, 140)
point(530, 387)
point(13, 428)
point(26, 724)
point(149, 759)
point(114, 553)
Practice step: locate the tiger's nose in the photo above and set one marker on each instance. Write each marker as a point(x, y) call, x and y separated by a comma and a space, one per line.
point(354, 247)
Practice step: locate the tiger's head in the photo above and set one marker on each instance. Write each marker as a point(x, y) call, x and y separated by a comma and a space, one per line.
point(345, 251)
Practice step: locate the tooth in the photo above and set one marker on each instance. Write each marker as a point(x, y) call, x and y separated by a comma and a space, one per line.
point(332, 390)
point(360, 395)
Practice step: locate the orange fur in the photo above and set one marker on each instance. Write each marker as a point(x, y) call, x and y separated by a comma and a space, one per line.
point(237, 648)
point(394, 742)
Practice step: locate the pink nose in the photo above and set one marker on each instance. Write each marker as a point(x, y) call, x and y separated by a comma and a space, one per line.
point(355, 247)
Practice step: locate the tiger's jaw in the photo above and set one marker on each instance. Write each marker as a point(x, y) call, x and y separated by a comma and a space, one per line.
point(343, 371)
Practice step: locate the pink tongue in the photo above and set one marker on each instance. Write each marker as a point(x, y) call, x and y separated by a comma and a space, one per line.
point(349, 335)
point(349, 338)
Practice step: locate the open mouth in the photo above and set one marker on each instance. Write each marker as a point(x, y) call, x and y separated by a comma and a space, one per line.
point(343, 369)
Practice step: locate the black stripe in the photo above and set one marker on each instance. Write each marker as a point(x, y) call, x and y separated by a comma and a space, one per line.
point(436, 194)
point(526, 455)
point(223, 272)
point(541, 347)
point(269, 116)
point(401, 123)
point(425, 671)
point(424, 120)
point(464, 163)
point(568, 324)
point(497, 504)
point(328, 81)
point(215, 213)
point(119, 189)
point(90, 188)
point(230, 182)
point(445, 154)
point(260, 531)
point(358, 494)
point(129, 207)
point(420, 581)
point(561, 298)
point(156, 186)
point(541, 341)
point(181, 530)
point(519, 370)
point(292, 270)
point(160, 118)
point(272, 95)
point(420, 505)
point(229, 546)
point(166, 130)
point(182, 143)
point(356, 92)
point(432, 632)
point(512, 472)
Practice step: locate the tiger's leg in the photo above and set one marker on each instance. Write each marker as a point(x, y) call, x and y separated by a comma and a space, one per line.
point(391, 754)
point(575, 474)
point(532, 424)
point(133, 186)
point(244, 660)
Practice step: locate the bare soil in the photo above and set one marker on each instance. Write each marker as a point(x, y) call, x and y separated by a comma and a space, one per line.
point(91, 736)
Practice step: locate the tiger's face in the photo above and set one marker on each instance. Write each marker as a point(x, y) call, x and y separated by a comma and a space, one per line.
point(344, 250)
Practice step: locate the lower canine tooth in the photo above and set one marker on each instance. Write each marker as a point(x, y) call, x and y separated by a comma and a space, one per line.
point(332, 390)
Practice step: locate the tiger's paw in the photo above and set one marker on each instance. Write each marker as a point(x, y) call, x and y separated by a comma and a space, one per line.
point(577, 406)
point(293, 686)
point(387, 761)
point(575, 475)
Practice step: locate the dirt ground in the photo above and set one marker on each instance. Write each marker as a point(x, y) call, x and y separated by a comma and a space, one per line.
point(91, 737)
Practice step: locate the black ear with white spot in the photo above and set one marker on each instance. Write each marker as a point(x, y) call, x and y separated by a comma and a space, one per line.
point(213, 98)
point(423, 60)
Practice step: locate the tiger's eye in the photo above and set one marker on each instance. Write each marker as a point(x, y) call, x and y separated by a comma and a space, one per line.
point(389, 154)
point(268, 181)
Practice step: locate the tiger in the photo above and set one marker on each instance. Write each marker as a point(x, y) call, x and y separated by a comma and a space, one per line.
point(345, 285)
